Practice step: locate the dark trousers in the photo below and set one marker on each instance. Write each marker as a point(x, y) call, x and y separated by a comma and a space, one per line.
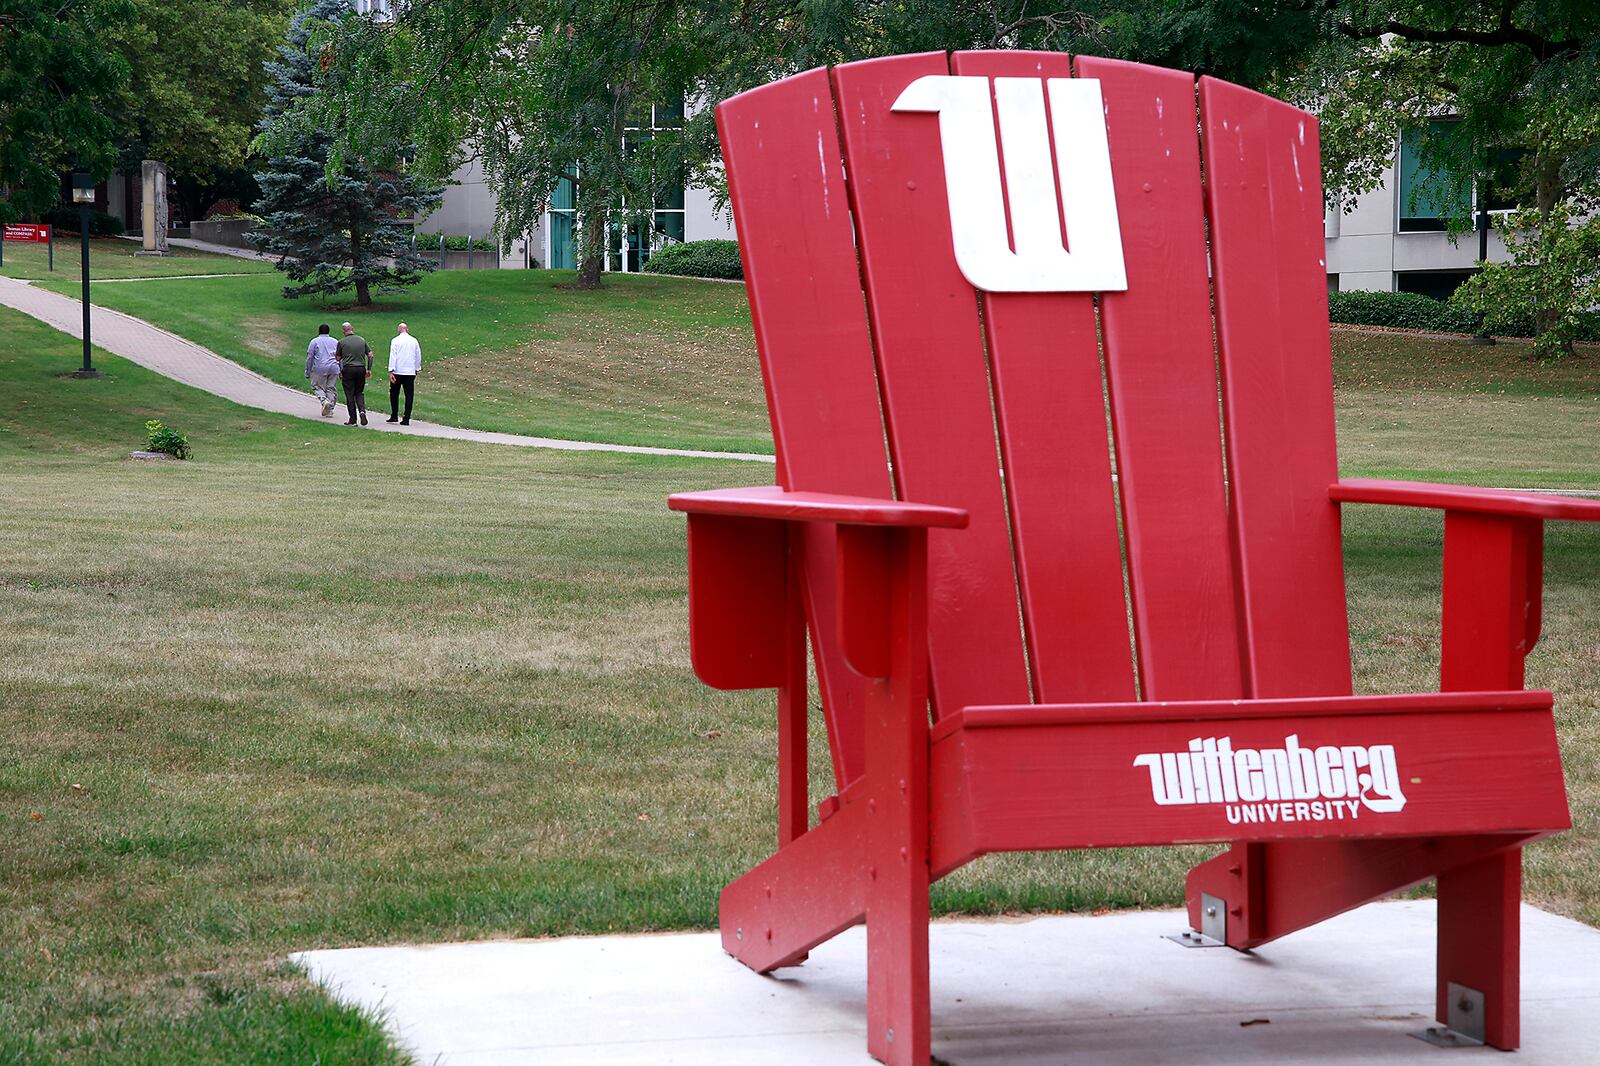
point(355, 389)
point(401, 381)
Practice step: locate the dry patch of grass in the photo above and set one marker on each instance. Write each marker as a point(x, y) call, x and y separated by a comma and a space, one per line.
point(661, 380)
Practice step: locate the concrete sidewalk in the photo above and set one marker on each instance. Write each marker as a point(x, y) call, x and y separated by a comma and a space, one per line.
point(170, 355)
point(1100, 991)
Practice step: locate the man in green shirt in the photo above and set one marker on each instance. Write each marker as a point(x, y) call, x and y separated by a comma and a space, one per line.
point(355, 368)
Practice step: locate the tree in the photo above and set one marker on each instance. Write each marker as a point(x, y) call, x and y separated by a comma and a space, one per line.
point(334, 223)
point(1520, 79)
point(55, 80)
point(542, 90)
point(196, 91)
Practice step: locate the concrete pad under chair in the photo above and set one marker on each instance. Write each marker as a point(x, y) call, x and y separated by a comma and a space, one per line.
point(1105, 991)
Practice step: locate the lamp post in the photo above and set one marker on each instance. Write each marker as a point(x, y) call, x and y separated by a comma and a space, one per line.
point(83, 196)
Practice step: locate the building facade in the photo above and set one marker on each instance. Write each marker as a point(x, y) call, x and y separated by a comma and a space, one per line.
point(684, 213)
point(1393, 239)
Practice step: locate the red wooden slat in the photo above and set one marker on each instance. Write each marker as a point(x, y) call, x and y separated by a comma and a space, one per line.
point(783, 505)
point(1044, 355)
point(736, 601)
point(1264, 198)
point(932, 370)
point(1467, 498)
point(781, 147)
point(1452, 773)
point(1161, 373)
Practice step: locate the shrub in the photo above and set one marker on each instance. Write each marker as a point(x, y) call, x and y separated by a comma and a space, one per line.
point(1399, 310)
point(100, 223)
point(1550, 287)
point(698, 259)
point(161, 438)
point(455, 244)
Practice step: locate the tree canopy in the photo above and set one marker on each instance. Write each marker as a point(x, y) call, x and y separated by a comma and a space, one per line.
point(334, 224)
point(196, 88)
point(55, 81)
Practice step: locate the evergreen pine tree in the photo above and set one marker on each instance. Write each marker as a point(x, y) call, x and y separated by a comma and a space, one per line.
point(354, 231)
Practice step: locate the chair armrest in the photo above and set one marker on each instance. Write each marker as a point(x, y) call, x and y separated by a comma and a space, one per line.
point(773, 502)
point(1510, 502)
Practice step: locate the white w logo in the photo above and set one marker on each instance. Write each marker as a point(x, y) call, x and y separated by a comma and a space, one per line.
point(1040, 261)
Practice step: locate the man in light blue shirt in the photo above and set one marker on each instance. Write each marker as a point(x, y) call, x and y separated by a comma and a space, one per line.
point(405, 362)
point(322, 367)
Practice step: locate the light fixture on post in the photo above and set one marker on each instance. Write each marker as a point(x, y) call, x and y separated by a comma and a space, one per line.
point(83, 196)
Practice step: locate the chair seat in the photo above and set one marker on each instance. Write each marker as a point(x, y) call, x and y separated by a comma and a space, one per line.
point(1031, 777)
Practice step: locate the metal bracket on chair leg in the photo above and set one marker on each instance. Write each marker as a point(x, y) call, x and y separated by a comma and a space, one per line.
point(1213, 926)
point(1465, 1017)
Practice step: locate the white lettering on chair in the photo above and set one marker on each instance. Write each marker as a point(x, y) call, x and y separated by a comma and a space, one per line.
point(1041, 260)
point(1287, 784)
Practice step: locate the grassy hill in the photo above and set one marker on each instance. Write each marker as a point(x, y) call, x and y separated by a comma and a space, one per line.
point(646, 360)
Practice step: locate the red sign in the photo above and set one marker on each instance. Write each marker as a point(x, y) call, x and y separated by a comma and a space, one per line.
point(27, 231)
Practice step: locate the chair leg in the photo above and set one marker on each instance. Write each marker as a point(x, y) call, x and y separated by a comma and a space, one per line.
point(812, 889)
point(1480, 940)
point(897, 831)
point(898, 1022)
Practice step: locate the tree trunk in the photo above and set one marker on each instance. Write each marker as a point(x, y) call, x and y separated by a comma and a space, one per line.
point(594, 249)
point(358, 268)
point(1547, 193)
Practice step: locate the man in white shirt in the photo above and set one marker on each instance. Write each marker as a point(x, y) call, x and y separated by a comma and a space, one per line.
point(405, 361)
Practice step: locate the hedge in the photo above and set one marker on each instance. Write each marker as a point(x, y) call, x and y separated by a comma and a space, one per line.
point(1411, 310)
point(453, 243)
point(101, 224)
point(1399, 310)
point(698, 259)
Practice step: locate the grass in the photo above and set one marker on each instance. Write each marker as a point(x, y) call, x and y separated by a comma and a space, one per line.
point(646, 360)
point(110, 257)
point(321, 687)
point(671, 362)
point(1449, 410)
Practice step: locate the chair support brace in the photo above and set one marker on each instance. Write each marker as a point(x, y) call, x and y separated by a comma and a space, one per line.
point(1493, 566)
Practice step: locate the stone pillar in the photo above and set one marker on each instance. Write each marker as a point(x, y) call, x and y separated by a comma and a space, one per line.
point(153, 176)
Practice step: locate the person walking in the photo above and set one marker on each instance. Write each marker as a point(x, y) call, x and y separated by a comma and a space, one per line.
point(355, 366)
point(405, 362)
point(322, 367)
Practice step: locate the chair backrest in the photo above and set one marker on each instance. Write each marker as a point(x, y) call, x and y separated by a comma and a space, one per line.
point(900, 357)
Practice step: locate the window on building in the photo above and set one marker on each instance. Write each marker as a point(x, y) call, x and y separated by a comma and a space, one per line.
point(1439, 284)
point(564, 226)
point(1507, 190)
point(1429, 193)
point(632, 247)
point(628, 243)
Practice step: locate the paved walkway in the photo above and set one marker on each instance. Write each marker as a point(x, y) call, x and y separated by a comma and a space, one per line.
point(1096, 991)
point(156, 349)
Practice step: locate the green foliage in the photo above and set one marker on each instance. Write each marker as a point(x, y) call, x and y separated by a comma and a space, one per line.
point(545, 89)
point(101, 224)
point(55, 81)
point(1399, 310)
point(1519, 81)
point(1551, 286)
point(698, 259)
point(197, 88)
point(334, 224)
point(456, 243)
point(159, 437)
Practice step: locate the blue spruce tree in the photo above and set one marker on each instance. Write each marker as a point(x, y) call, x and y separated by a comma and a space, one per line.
point(353, 231)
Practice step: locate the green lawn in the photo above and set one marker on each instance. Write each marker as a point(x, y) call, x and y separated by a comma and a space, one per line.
point(110, 257)
point(320, 687)
point(646, 360)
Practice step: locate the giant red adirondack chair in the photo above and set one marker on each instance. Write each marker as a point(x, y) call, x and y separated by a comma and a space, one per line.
point(946, 528)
